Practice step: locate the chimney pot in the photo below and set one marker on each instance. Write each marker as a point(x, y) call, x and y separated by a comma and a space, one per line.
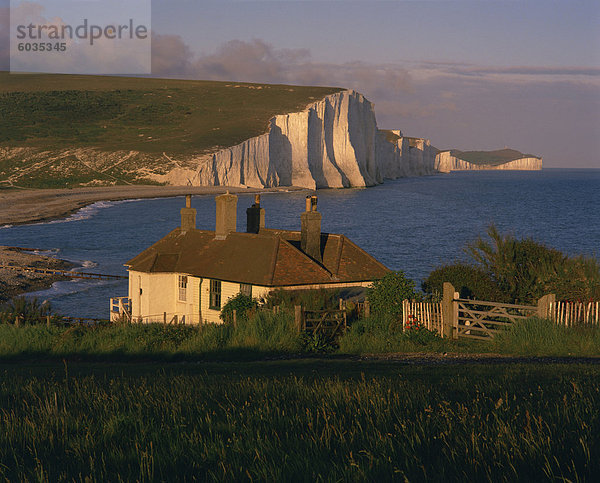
point(308, 203)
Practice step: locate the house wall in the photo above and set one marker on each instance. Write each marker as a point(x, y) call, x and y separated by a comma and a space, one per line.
point(160, 295)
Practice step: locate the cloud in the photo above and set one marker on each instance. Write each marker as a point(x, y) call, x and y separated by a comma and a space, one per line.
point(82, 54)
point(170, 56)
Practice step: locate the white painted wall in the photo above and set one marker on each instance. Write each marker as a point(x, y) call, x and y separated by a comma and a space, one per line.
point(160, 294)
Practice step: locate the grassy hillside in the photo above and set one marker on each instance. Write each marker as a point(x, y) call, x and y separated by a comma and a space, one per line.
point(178, 117)
point(494, 158)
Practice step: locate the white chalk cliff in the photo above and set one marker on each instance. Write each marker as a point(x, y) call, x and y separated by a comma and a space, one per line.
point(333, 143)
point(445, 162)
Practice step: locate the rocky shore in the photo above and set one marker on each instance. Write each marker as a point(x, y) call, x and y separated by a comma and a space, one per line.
point(17, 282)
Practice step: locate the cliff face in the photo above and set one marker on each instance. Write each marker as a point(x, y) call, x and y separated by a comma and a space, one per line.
point(445, 163)
point(333, 143)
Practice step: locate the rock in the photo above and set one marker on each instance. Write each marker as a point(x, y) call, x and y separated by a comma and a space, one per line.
point(333, 143)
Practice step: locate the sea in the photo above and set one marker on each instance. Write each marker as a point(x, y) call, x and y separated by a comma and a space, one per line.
point(410, 224)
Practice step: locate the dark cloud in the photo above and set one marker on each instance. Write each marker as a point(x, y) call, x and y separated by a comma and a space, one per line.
point(170, 56)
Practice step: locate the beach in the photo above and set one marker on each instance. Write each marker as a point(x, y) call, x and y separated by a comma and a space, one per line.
point(20, 206)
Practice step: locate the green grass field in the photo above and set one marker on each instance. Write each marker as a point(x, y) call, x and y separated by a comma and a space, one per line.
point(81, 129)
point(303, 420)
point(493, 158)
point(149, 115)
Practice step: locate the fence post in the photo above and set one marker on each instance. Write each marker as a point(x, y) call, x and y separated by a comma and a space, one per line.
point(165, 318)
point(367, 309)
point(298, 317)
point(48, 321)
point(404, 313)
point(234, 318)
point(544, 304)
point(448, 310)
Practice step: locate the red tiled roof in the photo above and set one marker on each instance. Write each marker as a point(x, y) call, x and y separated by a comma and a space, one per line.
point(270, 258)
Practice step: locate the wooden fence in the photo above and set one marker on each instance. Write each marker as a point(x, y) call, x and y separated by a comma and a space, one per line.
point(479, 319)
point(575, 313)
point(429, 314)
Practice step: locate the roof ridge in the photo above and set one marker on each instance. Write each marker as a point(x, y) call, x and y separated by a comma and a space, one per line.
point(274, 261)
point(302, 254)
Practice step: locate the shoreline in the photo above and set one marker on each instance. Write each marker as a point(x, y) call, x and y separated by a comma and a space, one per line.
point(24, 206)
point(14, 283)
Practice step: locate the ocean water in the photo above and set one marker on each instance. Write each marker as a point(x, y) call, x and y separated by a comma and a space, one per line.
point(410, 224)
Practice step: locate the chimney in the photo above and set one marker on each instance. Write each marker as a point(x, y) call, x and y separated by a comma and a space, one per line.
point(255, 216)
point(188, 215)
point(310, 236)
point(226, 215)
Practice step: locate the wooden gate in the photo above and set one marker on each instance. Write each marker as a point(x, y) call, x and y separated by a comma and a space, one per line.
point(477, 319)
point(330, 323)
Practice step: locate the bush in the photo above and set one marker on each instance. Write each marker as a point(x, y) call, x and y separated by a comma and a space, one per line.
point(471, 282)
point(517, 266)
point(29, 311)
point(506, 269)
point(244, 306)
point(386, 295)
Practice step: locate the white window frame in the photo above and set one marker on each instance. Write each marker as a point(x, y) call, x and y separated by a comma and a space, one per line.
point(182, 283)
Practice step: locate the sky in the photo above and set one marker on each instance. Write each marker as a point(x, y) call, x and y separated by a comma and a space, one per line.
point(468, 75)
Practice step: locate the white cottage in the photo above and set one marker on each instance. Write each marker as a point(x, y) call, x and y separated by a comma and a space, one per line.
point(189, 274)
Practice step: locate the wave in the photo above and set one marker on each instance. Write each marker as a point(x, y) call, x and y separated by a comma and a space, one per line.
point(86, 212)
point(88, 264)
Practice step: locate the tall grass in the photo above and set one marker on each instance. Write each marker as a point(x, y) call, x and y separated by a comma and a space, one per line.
point(263, 333)
point(293, 421)
point(266, 333)
point(541, 337)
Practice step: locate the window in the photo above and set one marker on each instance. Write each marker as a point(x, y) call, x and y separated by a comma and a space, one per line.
point(183, 280)
point(246, 289)
point(215, 295)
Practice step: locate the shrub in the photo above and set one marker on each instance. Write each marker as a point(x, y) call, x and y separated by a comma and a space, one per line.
point(471, 282)
point(29, 311)
point(386, 295)
point(517, 266)
point(244, 305)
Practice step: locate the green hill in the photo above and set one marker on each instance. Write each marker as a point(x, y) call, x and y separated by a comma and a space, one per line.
point(59, 131)
point(147, 115)
point(492, 158)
